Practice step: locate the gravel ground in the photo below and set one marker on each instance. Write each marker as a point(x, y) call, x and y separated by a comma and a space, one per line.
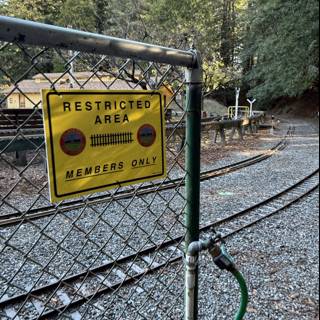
point(242, 188)
point(280, 260)
point(25, 188)
point(124, 227)
point(279, 257)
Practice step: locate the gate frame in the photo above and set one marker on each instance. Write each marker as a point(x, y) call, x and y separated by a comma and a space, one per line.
point(34, 33)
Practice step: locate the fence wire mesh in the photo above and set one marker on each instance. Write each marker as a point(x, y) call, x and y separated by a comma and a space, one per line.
point(110, 255)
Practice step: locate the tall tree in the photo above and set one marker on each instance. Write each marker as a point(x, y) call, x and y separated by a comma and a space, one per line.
point(227, 32)
point(283, 47)
point(208, 25)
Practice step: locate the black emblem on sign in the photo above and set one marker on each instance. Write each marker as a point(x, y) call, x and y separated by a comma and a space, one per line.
point(72, 142)
point(146, 135)
point(107, 139)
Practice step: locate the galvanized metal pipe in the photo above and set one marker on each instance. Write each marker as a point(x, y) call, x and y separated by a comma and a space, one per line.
point(191, 286)
point(190, 302)
point(192, 253)
point(34, 33)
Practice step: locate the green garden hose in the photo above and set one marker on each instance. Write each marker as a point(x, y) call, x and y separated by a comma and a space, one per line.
point(244, 294)
point(225, 262)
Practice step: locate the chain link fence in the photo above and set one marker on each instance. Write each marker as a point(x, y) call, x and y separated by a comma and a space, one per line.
point(111, 255)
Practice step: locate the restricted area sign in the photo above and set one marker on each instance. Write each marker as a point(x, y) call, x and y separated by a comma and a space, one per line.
point(98, 140)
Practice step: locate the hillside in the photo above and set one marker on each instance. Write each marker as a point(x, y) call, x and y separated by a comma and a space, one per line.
point(305, 106)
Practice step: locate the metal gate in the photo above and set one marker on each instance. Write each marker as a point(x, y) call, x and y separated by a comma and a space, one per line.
point(110, 255)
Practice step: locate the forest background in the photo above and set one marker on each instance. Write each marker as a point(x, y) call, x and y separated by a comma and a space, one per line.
point(269, 48)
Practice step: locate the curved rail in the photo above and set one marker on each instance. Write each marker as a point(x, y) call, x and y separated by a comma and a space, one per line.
point(308, 184)
point(18, 217)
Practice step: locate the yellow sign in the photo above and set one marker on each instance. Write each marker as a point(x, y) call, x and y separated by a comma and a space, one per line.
point(97, 140)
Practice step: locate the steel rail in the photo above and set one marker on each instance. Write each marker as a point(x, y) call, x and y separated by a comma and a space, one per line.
point(147, 251)
point(176, 259)
point(252, 223)
point(122, 260)
point(15, 218)
point(149, 270)
point(262, 203)
point(130, 279)
point(44, 35)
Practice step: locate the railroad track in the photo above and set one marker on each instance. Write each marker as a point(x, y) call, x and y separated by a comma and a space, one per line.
point(14, 218)
point(55, 298)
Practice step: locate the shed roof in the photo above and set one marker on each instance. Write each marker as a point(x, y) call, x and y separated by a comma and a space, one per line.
point(30, 86)
point(60, 75)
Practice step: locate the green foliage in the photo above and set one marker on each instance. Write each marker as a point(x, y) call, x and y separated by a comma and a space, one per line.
point(283, 44)
point(206, 25)
point(112, 17)
point(270, 46)
point(77, 14)
point(46, 11)
point(210, 26)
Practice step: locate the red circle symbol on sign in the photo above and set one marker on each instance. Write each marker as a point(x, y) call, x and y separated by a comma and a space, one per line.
point(146, 135)
point(72, 142)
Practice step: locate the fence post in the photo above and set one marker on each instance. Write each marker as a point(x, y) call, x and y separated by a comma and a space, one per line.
point(192, 212)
